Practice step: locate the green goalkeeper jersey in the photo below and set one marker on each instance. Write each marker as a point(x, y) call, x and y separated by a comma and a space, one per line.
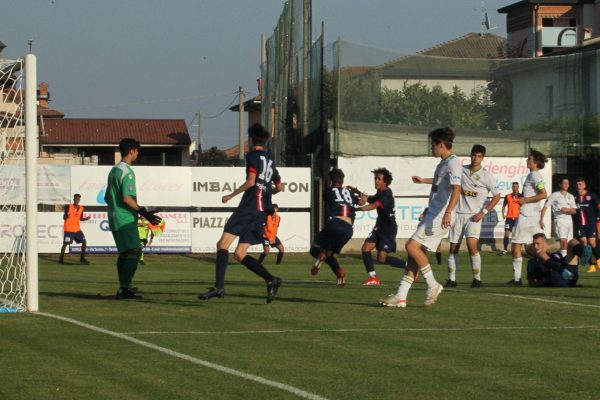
point(121, 182)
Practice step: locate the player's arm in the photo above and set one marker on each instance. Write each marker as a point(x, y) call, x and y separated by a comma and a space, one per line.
point(572, 209)
point(419, 180)
point(543, 213)
point(66, 212)
point(489, 207)
point(277, 184)
point(370, 206)
point(454, 196)
point(250, 182)
point(540, 195)
point(504, 206)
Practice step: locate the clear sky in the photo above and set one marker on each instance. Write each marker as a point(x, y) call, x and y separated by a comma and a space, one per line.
point(173, 58)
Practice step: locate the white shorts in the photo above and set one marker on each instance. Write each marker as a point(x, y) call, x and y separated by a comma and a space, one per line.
point(525, 228)
point(463, 226)
point(430, 234)
point(563, 229)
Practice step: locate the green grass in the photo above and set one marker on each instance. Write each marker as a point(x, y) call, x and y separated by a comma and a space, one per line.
point(490, 343)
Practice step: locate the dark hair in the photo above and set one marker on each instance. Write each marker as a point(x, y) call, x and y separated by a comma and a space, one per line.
point(275, 206)
point(580, 179)
point(258, 134)
point(442, 135)
point(128, 144)
point(538, 158)
point(515, 183)
point(76, 195)
point(387, 175)
point(477, 148)
point(337, 176)
point(539, 235)
point(562, 178)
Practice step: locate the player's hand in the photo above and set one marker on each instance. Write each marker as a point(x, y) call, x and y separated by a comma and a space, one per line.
point(150, 216)
point(446, 220)
point(477, 217)
point(225, 198)
point(417, 179)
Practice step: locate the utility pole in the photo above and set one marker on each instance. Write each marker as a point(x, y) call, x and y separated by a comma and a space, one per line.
point(199, 146)
point(241, 123)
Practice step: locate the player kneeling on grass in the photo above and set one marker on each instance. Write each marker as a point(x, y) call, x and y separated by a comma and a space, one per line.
point(123, 210)
point(383, 235)
point(270, 236)
point(340, 204)
point(248, 220)
point(553, 269)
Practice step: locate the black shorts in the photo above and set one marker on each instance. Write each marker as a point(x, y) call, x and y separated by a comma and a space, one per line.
point(587, 231)
point(267, 243)
point(509, 224)
point(78, 237)
point(334, 236)
point(384, 241)
point(248, 227)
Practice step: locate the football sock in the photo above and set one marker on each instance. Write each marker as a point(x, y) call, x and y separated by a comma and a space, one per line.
point(563, 253)
point(220, 268)
point(121, 267)
point(452, 265)
point(476, 266)
point(129, 267)
point(596, 251)
point(279, 257)
point(505, 243)
point(261, 258)
point(438, 257)
point(333, 263)
point(253, 265)
point(368, 261)
point(404, 287)
point(517, 264)
point(395, 262)
point(428, 275)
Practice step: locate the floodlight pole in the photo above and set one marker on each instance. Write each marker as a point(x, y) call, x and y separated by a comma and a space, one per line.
point(241, 123)
point(31, 153)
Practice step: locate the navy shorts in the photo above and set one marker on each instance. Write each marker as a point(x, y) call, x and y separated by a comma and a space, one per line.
point(587, 231)
point(384, 241)
point(509, 223)
point(334, 236)
point(248, 227)
point(78, 237)
point(276, 243)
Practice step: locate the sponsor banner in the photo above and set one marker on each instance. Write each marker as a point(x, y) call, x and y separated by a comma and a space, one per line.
point(12, 184)
point(156, 186)
point(54, 184)
point(12, 232)
point(210, 184)
point(207, 228)
point(505, 169)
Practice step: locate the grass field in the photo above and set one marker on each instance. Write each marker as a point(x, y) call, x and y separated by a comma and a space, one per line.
point(314, 341)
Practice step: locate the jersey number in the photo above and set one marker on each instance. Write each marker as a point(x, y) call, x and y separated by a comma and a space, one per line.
point(342, 195)
point(266, 171)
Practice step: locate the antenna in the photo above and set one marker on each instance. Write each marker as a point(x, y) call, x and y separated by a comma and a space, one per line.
point(485, 20)
point(30, 44)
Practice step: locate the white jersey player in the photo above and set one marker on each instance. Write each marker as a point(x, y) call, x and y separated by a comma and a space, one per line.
point(476, 183)
point(562, 204)
point(445, 191)
point(528, 223)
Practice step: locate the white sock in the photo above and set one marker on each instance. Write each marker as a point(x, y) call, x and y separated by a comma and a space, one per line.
point(476, 266)
point(372, 274)
point(428, 275)
point(404, 287)
point(563, 253)
point(452, 266)
point(517, 263)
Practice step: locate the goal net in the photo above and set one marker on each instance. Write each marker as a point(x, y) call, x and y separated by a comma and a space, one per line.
point(13, 284)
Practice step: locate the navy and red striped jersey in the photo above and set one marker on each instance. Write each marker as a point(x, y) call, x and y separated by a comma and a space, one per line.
point(386, 210)
point(587, 209)
point(339, 202)
point(258, 197)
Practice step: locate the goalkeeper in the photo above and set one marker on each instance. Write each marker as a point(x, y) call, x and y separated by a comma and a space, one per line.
point(123, 210)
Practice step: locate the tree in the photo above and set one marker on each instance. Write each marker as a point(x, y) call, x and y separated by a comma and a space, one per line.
point(214, 157)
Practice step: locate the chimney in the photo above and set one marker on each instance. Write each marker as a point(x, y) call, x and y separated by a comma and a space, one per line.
point(260, 87)
point(43, 96)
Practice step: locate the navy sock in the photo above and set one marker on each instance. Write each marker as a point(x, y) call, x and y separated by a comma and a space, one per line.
point(253, 265)
point(333, 263)
point(438, 257)
point(261, 258)
point(596, 251)
point(368, 261)
point(505, 243)
point(280, 257)
point(395, 262)
point(221, 267)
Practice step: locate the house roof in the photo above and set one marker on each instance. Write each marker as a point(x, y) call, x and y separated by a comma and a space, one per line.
point(524, 3)
point(468, 56)
point(234, 151)
point(96, 131)
point(251, 104)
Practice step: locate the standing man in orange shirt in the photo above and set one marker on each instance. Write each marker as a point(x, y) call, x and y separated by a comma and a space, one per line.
point(510, 213)
point(270, 236)
point(72, 230)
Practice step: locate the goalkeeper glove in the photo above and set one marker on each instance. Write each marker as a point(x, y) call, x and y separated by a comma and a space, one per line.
point(150, 216)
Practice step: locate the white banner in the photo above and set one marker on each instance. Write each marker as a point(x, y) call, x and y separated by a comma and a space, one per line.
point(156, 186)
point(12, 184)
point(12, 232)
point(207, 228)
point(54, 184)
point(210, 184)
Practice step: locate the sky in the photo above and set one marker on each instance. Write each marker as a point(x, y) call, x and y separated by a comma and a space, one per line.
point(174, 58)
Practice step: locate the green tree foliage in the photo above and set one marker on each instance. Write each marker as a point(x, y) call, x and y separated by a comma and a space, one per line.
point(214, 157)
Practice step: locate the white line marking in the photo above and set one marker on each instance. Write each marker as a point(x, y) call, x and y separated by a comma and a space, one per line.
point(492, 328)
point(254, 378)
point(544, 300)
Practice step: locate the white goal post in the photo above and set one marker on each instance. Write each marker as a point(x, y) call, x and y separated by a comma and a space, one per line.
point(18, 184)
